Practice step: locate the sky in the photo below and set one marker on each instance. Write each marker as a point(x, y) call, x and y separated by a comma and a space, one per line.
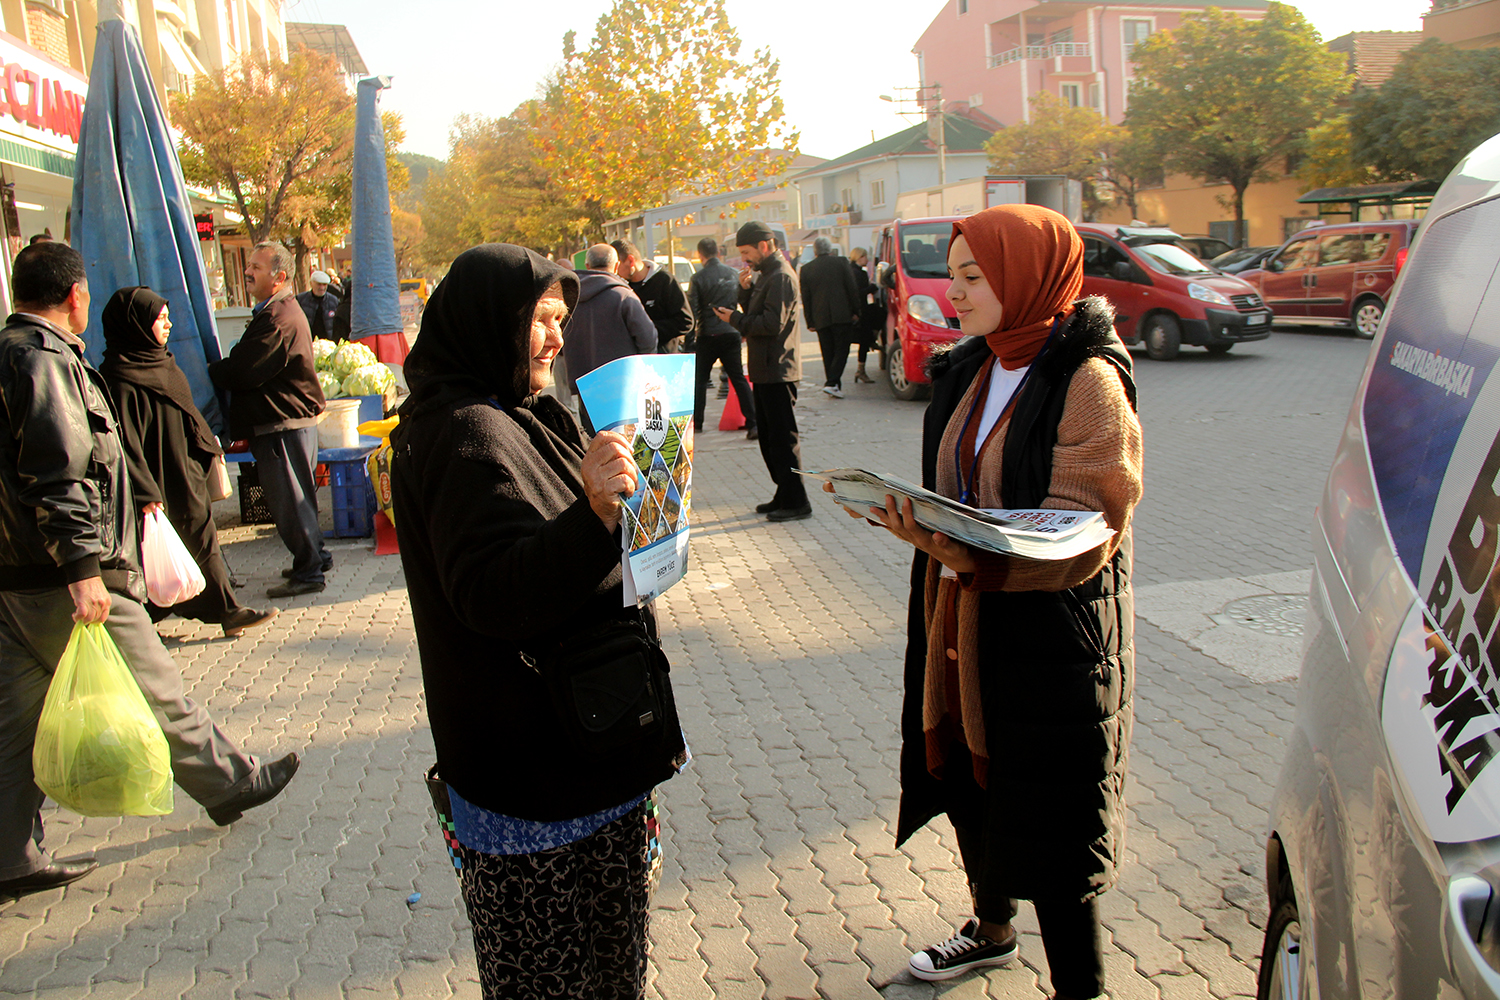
point(449, 57)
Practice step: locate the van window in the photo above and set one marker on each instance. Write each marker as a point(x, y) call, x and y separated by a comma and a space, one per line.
point(924, 249)
point(1169, 258)
point(1344, 248)
point(1100, 257)
point(1376, 244)
point(1303, 253)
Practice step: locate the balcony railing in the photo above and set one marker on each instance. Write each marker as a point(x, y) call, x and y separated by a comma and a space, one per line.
point(1056, 49)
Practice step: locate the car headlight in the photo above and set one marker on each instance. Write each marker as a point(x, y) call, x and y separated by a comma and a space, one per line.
point(926, 309)
point(1205, 294)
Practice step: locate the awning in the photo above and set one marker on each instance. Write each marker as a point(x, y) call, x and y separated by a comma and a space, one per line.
point(178, 54)
point(1400, 191)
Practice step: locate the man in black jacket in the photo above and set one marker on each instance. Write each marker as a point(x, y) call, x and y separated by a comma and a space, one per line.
point(830, 301)
point(319, 304)
point(607, 323)
point(768, 319)
point(662, 296)
point(715, 285)
point(275, 403)
point(69, 552)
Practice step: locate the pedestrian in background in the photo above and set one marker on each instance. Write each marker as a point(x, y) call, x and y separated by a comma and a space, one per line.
point(767, 319)
point(871, 314)
point(510, 539)
point(70, 553)
point(343, 312)
point(1019, 674)
point(716, 286)
point(660, 293)
point(320, 304)
point(608, 322)
point(275, 403)
point(169, 448)
point(830, 302)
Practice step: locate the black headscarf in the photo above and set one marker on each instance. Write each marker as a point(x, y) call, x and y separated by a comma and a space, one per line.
point(476, 341)
point(133, 354)
point(476, 329)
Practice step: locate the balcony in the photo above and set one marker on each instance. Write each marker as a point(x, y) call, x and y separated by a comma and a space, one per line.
point(1057, 50)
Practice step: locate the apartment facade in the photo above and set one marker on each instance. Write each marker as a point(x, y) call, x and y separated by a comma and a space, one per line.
point(995, 55)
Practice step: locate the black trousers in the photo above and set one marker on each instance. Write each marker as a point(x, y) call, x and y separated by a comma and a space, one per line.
point(725, 349)
point(286, 462)
point(834, 341)
point(779, 445)
point(1071, 934)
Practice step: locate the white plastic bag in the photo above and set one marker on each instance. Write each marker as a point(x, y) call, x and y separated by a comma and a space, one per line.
point(172, 575)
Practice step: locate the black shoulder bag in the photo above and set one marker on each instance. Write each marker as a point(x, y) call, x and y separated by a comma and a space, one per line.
point(610, 685)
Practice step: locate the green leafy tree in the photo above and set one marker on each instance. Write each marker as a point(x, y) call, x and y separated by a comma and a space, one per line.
point(1128, 163)
point(1439, 103)
point(1328, 157)
point(1056, 139)
point(1224, 97)
point(660, 103)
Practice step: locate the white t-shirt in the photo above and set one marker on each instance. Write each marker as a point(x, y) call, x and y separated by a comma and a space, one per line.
point(1002, 384)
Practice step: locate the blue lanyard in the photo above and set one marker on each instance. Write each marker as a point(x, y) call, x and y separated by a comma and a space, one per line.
point(966, 484)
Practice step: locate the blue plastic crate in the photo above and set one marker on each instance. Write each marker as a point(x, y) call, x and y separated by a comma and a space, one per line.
point(353, 499)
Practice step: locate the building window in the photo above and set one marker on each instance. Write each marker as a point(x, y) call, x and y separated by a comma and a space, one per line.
point(1094, 96)
point(1134, 30)
point(963, 7)
point(846, 200)
point(877, 194)
point(812, 204)
point(1072, 94)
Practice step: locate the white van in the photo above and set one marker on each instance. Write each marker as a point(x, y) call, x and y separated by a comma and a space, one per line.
point(1383, 854)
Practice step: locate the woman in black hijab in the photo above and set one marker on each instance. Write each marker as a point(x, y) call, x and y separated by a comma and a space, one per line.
point(509, 528)
point(169, 448)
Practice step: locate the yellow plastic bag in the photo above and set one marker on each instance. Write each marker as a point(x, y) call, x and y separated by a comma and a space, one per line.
point(99, 751)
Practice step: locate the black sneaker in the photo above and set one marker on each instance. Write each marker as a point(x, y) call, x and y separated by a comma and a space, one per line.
point(968, 949)
point(790, 513)
point(767, 507)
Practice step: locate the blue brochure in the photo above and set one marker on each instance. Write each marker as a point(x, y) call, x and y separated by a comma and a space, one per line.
point(648, 400)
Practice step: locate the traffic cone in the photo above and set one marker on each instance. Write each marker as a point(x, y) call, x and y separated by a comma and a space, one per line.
point(731, 419)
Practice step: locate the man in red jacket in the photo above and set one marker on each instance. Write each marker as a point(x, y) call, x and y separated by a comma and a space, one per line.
point(275, 403)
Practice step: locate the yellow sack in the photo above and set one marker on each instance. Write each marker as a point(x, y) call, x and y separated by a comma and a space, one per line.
point(99, 751)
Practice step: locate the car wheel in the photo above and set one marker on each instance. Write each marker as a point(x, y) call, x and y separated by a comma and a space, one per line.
point(1218, 348)
point(1286, 970)
point(1162, 336)
point(895, 374)
point(1366, 318)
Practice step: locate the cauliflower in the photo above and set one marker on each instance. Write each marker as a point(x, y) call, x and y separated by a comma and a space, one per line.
point(369, 380)
point(350, 356)
point(331, 385)
point(323, 352)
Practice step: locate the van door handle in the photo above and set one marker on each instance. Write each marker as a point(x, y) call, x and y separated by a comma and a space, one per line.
point(1468, 918)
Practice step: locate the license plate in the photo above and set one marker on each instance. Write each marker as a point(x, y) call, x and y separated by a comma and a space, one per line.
point(1257, 319)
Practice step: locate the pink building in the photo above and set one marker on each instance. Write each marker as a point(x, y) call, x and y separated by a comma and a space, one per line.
point(997, 54)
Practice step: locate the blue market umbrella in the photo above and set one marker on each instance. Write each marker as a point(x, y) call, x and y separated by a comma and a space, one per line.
point(376, 309)
point(132, 220)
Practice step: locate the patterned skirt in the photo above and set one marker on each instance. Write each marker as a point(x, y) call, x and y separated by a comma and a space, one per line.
point(567, 922)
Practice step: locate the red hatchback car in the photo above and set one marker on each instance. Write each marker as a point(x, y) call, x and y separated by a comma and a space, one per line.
point(1335, 275)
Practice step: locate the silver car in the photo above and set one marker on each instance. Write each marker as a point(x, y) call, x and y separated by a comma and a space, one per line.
point(1383, 858)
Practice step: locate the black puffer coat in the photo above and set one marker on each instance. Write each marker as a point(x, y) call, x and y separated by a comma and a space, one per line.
point(1057, 669)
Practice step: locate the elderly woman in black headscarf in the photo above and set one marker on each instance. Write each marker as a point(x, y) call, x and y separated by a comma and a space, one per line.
point(169, 448)
point(509, 524)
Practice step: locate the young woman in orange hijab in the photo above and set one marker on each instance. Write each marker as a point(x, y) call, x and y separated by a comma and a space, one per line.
point(1019, 674)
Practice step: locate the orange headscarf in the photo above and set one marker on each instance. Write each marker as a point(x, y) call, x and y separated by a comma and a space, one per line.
point(1033, 259)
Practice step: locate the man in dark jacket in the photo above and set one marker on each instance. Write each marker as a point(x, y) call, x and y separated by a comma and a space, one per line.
point(607, 323)
point(275, 403)
point(767, 318)
point(830, 301)
point(660, 293)
point(715, 285)
point(69, 552)
point(319, 305)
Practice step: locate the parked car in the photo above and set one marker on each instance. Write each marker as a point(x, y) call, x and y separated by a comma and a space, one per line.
point(1243, 259)
point(682, 269)
point(1204, 247)
point(1165, 297)
point(911, 263)
point(1383, 851)
point(1337, 276)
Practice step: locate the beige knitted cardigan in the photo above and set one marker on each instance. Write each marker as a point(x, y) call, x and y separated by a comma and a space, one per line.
point(1096, 466)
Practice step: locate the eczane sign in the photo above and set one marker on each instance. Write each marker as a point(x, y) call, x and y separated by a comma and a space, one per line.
point(40, 100)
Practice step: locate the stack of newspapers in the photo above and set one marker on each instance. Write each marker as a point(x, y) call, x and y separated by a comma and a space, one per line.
point(1027, 534)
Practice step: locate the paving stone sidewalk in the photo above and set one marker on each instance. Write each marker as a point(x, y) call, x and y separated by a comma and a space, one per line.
point(782, 879)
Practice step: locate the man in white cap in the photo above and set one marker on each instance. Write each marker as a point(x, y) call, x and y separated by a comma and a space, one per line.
point(319, 304)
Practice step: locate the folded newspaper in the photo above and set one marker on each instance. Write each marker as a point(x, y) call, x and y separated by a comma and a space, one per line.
point(1030, 534)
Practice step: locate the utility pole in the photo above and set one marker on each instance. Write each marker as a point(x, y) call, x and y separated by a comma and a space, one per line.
point(929, 102)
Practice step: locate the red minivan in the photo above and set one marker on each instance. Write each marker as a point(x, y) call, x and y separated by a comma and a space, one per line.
point(911, 268)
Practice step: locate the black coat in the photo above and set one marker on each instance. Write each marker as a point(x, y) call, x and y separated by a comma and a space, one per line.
point(320, 312)
point(1057, 670)
point(768, 320)
point(829, 295)
point(713, 285)
point(270, 372)
point(662, 296)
